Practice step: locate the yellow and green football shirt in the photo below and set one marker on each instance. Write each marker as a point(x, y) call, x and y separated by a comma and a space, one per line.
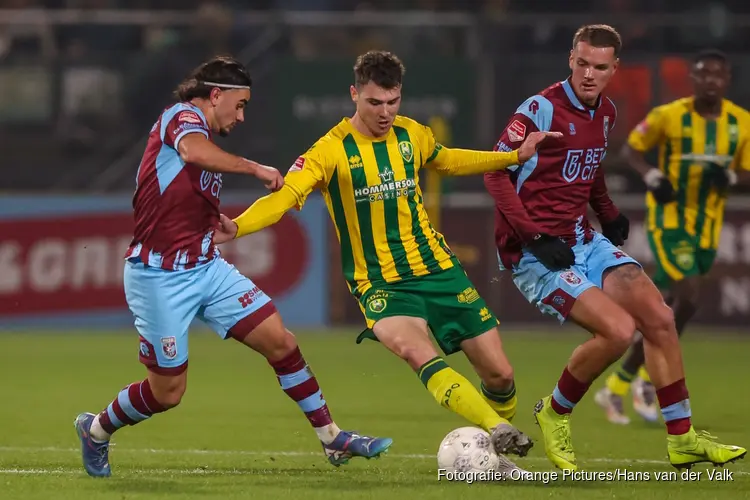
point(371, 188)
point(684, 138)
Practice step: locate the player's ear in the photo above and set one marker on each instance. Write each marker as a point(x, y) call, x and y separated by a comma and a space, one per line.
point(353, 92)
point(213, 97)
point(570, 60)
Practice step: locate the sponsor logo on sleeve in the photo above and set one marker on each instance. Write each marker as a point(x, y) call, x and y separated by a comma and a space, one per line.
point(298, 164)
point(190, 117)
point(516, 131)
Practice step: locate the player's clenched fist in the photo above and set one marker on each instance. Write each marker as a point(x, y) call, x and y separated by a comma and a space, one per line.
point(226, 231)
point(532, 143)
point(271, 177)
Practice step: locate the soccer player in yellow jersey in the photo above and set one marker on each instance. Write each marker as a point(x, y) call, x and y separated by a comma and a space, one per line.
point(704, 146)
point(397, 266)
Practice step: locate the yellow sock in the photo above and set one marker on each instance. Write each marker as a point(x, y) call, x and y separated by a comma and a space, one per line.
point(644, 374)
point(454, 392)
point(504, 403)
point(619, 382)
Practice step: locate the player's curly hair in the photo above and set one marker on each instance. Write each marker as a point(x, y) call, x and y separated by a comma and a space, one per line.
point(711, 55)
point(382, 68)
point(220, 69)
point(600, 36)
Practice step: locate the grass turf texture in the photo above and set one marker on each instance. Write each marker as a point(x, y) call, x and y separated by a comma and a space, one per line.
point(236, 435)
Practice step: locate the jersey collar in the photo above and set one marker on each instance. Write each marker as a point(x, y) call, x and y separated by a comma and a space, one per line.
point(573, 98)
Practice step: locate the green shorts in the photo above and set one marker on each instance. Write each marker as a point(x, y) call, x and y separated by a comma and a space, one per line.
point(447, 300)
point(678, 255)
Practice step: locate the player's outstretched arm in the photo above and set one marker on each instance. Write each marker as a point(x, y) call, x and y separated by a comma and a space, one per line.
point(456, 162)
point(311, 171)
point(265, 212)
point(199, 150)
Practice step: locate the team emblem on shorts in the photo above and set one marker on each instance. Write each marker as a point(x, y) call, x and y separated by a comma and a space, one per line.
point(377, 305)
point(685, 260)
point(169, 347)
point(571, 277)
point(684, 255)
point(406, 150)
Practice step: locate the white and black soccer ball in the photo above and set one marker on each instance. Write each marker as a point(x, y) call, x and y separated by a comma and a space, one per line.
point(467, 449)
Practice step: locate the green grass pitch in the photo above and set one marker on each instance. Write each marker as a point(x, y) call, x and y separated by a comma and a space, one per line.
point(236, 435)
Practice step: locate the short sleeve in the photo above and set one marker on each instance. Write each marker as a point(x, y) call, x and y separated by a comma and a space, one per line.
point(533, 115)
point(649, 132)
point(183, 122)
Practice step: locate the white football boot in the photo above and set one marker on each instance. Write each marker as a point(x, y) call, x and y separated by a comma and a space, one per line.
point(612, 405)
point(644, 400)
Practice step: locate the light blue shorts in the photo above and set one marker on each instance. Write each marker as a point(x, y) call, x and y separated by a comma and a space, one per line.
point(555, 292)
point(164, 303)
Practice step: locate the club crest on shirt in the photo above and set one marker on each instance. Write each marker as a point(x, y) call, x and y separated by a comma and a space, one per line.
point(516, 131)
point(606, 127)
point(406, 150)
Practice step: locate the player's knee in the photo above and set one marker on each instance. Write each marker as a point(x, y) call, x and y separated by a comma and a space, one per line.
point(170, 399)
point(279, 345)
point(659, 326)
point(498, 376)
point(413, 352)
point(621, 332)
point(169, 395)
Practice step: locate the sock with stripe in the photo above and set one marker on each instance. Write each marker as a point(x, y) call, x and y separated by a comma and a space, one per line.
point(568, 392)
point(675, 407)
point(619, 382)
point(134, 404)
point(298, 382)
point(643, 374)
point(503, 402)
point(454, 392)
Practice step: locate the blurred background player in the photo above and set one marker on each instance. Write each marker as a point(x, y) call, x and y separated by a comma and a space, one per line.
point(541, 212)
point(397, 266)
point(703, 144)
point(173, 271)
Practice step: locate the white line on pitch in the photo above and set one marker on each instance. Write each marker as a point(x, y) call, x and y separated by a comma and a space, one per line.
point(418, 456)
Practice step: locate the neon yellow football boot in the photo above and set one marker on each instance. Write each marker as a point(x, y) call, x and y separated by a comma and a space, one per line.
point(556, 431)
point(693, 448)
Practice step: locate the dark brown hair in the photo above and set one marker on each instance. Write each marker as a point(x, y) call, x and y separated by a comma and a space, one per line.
point(220, 69)
point(599, 35)
point(382, 68)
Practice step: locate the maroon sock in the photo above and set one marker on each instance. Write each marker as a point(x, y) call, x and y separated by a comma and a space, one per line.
point(568, 392)
point(299, 383)
point(675, 407)
point(135, 403)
